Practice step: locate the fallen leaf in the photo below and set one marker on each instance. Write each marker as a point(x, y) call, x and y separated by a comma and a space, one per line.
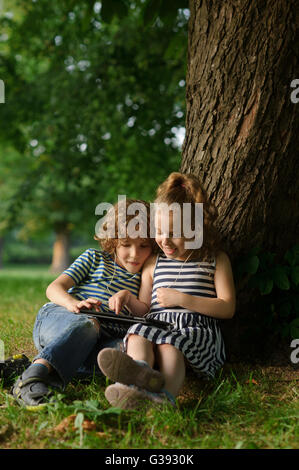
point(253, 381)
point(101, 434)
point(63, 426)
point(5, 431)
point(89, 425)
point(65, 423)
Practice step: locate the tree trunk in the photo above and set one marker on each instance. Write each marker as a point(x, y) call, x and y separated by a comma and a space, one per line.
point(241, 133)
point(61, 251)
point(241, 128)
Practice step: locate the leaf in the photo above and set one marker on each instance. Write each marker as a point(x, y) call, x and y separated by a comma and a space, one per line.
point(285, 332)
point(169, 8)
point(280, 278)
point(255, 250)
point(252, 265)
point(265, 285)
point(252, 381)
point(79, 420)
point(248, 265)
point(121, 9)
point(113, 8)
point(266, 260)
point(292, 256)
point(294, 328)
point(65, 423)
point(295, 275)
point(295, 300)
point(79, 425)
point(6, 431)
point(151, 11)
point(89, 425)
point(289, 258)
point(285, 309)
point(102, 434)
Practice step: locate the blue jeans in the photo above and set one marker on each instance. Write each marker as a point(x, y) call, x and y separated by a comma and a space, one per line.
point(69, 342)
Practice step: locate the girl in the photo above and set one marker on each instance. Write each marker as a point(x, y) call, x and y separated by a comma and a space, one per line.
point(68, 342)
point(190, 288)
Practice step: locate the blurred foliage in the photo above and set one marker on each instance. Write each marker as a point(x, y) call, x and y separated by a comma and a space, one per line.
point(275, 287)
point(92, 107)
point(36, 252)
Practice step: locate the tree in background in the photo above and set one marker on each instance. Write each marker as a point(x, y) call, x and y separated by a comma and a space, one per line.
point(102, 104)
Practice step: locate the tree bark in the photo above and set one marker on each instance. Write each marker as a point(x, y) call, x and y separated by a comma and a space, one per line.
point(242, 132)
point(61, 251)
point(241, 128)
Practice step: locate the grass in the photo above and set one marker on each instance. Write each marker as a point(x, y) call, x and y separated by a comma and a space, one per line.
point(245, 407)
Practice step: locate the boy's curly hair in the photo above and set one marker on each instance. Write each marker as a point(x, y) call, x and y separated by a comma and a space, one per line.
point(119, 211)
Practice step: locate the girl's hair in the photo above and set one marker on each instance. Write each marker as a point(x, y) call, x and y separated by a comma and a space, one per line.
point(186, 188)
point(119, 212)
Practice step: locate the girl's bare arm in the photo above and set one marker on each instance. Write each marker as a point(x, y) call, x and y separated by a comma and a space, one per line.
point(222, 307)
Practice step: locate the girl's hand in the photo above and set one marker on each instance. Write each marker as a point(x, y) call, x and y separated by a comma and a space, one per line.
point(168, 297)
point(90, 303)
point(118, 300)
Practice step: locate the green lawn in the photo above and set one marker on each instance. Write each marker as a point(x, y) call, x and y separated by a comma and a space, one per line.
point(244, 408)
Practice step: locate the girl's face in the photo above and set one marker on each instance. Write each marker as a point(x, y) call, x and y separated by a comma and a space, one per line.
point(172, 247)
point(131, 253)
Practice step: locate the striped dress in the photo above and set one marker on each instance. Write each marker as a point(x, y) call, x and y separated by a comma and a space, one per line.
point(197, 336)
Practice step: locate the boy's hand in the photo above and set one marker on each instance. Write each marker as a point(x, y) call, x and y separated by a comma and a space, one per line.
point(90, 303)
point(118, 300)
point(168, 297)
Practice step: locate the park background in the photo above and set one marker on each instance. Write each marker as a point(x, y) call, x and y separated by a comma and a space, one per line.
point(107, 98)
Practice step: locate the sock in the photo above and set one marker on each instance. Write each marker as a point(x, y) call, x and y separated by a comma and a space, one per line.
point(39, 364)
point(37, 369)
point(168, 395)
point(142, 363)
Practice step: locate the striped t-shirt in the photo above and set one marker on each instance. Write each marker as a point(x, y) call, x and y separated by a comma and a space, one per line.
point(97, 275)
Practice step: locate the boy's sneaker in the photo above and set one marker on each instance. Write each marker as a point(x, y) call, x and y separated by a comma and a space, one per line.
point(13, 366)
point(32, 388)
point(120, 367)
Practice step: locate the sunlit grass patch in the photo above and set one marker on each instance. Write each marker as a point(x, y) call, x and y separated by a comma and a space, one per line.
point(243, 407)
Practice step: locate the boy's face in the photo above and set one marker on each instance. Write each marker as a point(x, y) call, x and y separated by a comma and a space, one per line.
point(131, 253)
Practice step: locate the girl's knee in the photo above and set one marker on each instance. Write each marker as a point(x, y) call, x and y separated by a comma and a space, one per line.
point(169, 349)
point(165, 347)
point(132, 338)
